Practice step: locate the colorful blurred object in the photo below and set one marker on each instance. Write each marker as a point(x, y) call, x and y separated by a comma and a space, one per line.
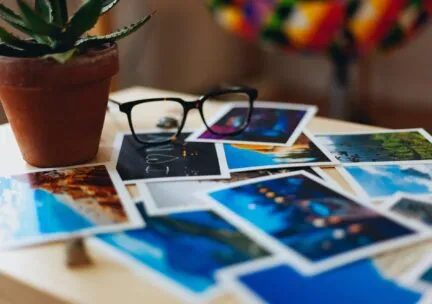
point(339, 28)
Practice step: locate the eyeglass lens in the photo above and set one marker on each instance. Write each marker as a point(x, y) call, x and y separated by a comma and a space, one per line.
point(148, 115)
point(235, 121)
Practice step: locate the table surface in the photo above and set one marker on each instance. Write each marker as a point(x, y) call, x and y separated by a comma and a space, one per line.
point(39, 274)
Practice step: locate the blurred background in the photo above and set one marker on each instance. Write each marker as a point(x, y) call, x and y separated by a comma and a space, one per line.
point(183, 49)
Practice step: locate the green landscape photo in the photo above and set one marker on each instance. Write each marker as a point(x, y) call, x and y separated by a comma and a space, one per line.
point(412, 145)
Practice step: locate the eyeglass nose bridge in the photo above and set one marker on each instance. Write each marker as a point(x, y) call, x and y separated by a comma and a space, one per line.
point(194, 104)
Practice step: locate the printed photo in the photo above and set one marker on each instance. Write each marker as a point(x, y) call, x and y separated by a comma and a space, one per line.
point(383, 181)
point(316, 227)
point(168, 197)
point(426, 277)
point(183, 251)
point(407, 146)
point(420, 277)
point(179, 160)
point(271, 123)
point(413, 208)
point(274, 281)
point(304, 152)
point(56, 204)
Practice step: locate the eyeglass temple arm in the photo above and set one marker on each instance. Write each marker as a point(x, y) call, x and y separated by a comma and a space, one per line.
point(114, 101)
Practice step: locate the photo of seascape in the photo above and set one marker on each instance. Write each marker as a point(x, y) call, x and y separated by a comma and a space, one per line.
point(386, 180)
point(308, 217)
point(43, 204)
point(378, 147)
point(171, 245)
point(250, 156)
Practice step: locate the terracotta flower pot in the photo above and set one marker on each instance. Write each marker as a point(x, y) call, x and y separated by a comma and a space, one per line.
point(57, 110)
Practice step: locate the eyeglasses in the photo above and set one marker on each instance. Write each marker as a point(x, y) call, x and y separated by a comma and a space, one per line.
point(176, 111)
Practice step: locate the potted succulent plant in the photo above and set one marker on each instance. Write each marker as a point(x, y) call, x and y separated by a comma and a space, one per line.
point(54, 84)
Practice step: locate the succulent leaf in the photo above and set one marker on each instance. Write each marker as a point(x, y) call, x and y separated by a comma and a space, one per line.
point(45, 40)
point(38, 25)
point(108, 5)
point(9, 15)
point(117, 35)
point(51, 31)
point(44, 9)
point(62, 57)
point(16, 21)
point(13, 19)
point(84, 19)
point(17, 43)
point(6, 50)
point(59, 12)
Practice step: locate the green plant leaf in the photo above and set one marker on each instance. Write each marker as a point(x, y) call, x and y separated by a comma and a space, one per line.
point(62, 57)
point(9, 15)
point(44, 9)
point(108, 5)
point(84, 19)
point(20, 44)
point(115, 36)
point(38, 25)
point(59, 12)
point(45, 40)
point(6, 50)
point(13, 19)
point(16, 21)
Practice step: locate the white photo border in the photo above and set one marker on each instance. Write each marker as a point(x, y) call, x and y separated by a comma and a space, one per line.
point(153, 210)
point(413, 277)
point(309, 109)
point(325, 176)
point(299, 262)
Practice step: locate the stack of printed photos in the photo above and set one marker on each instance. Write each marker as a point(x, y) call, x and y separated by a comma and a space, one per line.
point(257, 215)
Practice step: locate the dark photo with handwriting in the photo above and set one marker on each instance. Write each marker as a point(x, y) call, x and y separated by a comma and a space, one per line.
point(175, 160)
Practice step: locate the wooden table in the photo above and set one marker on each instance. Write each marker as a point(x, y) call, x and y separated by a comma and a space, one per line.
point(38, 275)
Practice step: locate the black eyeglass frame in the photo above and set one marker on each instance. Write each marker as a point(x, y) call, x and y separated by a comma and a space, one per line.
point(187, 106)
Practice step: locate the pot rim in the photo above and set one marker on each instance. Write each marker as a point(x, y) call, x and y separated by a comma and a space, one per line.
point(39, 72)
point(93, 52)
